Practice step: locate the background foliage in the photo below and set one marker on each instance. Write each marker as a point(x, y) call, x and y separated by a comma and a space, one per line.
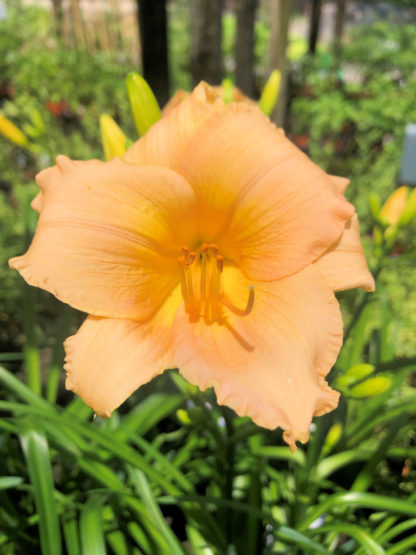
point(171, 472)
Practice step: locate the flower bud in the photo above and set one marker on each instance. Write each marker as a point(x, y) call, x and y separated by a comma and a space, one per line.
point(11, 132)
point(143, 102)
point(409, 211)
point(333, 436)
point(372, 387)
point(270, 93)
point(375, 207)
point(227, 90)
point(355, 374)
point(112, 137)
point(393, 207)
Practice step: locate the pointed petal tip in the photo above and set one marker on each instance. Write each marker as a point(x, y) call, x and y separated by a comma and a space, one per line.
point(64, 163)
point(207, 94)
point(36, 203)
point(369, 286)
point(18, 263)
point(291, 438)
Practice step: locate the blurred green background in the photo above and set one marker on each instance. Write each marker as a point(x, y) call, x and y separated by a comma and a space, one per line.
point(171, 471)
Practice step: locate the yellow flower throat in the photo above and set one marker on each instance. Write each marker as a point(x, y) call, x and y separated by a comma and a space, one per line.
point(201, 285)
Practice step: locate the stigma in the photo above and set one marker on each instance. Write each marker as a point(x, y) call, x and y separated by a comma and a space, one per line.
point(201, 285)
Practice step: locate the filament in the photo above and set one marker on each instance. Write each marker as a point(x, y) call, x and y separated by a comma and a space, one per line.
point(208, 301)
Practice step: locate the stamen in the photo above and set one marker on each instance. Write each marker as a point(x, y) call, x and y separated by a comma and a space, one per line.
point(185, 261)
point(238, 311)
point(207, 301)
point(190, 282)
point(184, 287)
point(220, 262)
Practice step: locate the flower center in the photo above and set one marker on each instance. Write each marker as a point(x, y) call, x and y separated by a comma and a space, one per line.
point(202, 289)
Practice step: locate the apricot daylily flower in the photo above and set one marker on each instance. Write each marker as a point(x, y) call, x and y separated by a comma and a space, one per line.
point(180, 95)
point(214, 246)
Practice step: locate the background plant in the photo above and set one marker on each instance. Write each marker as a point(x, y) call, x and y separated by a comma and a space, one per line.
point(171, 471)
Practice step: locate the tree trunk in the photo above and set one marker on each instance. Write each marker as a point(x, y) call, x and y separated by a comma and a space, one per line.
point(154, 45)
point(278, 59)
point(314, 26)
point(339, 25)
point(244, 48)
point(57, 14)
point(206, 38)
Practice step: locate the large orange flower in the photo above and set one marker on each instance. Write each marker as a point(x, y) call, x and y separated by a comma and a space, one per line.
point(213, 246)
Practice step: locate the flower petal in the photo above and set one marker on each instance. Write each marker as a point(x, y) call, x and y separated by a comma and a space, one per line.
point(263, 202)
point(108, 359)
point(344, 265)
point(36, 203)
point(165, 140)
point(269, 365)
point(108, 236)
point(341, 183)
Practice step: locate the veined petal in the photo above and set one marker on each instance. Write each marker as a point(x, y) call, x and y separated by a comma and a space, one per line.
point(341, 183)
point(179, 96)
point(269, 365)
point(344, 265)
point(165, 140)
point(108, 359)
point(108, 236)
point(270, 208)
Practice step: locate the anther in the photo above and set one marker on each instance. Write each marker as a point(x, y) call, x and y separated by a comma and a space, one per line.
point(182, 260)
point(220, 262)
point(238, 311)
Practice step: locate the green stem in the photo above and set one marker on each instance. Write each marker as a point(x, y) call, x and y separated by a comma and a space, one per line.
point(362, 304)
point(55, 370)
point(31, 353)
point(396, 364)
point(229, 473)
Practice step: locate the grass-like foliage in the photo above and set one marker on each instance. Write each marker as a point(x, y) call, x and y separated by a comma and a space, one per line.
point(171, 472)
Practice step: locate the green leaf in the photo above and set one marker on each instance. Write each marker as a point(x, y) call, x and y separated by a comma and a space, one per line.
point(280, 453)
point(148, 414)
point(71, 535)
point(293, 536)
point(91, 527)
point(36, 452)
point(333, 463)
point(367, 474)
point(402, 546)
point(152, 508)
point(357, 499)
point(117, 542)
point(360, 535)
point(22, 390)
point(7, 482)
point(398, 529)
point(198, 543)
